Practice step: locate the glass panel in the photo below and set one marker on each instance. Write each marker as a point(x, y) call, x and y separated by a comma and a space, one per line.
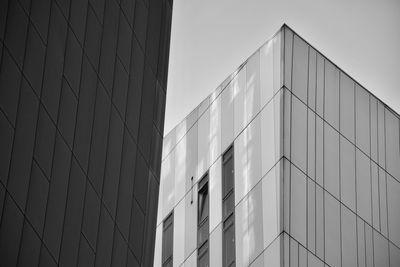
point(312, 74)
point(363, 186)
point(331, 94)
point(362, 119)
point(298, 200)
point(239, 91)
point(331, 160)
point(228, 242)
point(203, 201)
point(299, 134)
point(392, 144)
point(228, 206)
point(228, 176)
point(203, 256)
point(300, 68)
point(252, 104)
point(215, 195)
point(347, 173)
point(381, 250)
point(226, 117)
point(349, 237)
point(347, 106)
point(167, 247)
point(393, 196)
point(332, 231)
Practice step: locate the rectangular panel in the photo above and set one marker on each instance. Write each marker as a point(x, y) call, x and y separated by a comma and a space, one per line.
point(393, 197)
point(227, 128)
point(349, 237)
point(167, 187)
point(215, 195)
point(374, 127)
point(319, 95)
point(288, 49)
point(347, 106)
point(360, 242)
point(320, 235)
point(300, 68)
point(319, 151)
point(271, 138)
point(299, 134)
point(190, 222)
point(381, 250)
point(271, 207)
point(311, 144)
point(381, 135)
point(369, 252)
point(267, 70)
point(252, 97)
point(241, 173)
point(332, 231)
point(363, 180)
point(253, 144)
point(331, 114)
point(392, 144)
point(214, 134)
point(239, 106)
point(383, 202)
point(362, 119)
point(298, 204)
point(179, 234)
point(312, 78)
point(255, 222)
point(216, 246)
point(203, 155)
point(347, 173)
point(311, 215)
point(375, 195)
point(331, 160)
point(241, 233)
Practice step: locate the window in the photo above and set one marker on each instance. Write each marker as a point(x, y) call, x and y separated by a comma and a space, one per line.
point(167, 242)
point(203, 225)
point(228, 205)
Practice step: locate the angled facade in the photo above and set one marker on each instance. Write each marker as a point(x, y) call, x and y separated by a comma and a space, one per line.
point(290, 162)
point(82, 100)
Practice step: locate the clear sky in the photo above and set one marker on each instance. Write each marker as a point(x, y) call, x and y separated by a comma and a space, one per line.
point(211, 38)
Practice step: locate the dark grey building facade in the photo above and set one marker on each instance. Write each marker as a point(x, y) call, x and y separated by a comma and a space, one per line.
point(82, 100)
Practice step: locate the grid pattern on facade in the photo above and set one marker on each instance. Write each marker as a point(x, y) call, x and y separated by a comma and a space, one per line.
point(82, 99)
point(342, 168)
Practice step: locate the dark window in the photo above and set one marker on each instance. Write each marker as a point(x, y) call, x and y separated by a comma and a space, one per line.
point(228, 205)
point(167, 243)
point(203, 225)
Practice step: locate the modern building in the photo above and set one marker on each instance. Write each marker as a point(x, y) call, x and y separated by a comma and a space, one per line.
point(82, 100)
point(290, 162)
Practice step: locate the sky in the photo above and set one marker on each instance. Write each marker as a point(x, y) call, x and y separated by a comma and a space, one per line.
point(211, 38)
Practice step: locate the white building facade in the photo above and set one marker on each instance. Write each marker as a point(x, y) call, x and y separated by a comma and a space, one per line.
point(289, 162)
